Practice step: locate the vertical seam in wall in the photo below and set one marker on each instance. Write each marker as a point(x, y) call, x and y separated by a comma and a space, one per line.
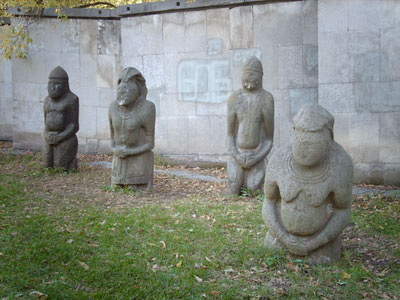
point(380, 79)
point(348, 17)
point(119, 44)
point(379, 140)
point(184, 31)
point(252, 26)
point(163, 57)
point(348, 45)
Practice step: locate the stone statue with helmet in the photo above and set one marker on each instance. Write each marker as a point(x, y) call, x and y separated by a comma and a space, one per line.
point(61, 119)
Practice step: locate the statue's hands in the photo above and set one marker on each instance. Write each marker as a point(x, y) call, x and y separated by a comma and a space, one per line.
point(251, 159)
point(121, 151)
point(299, 249)
point(297, 245)
point(52, 138)
point(240, 159)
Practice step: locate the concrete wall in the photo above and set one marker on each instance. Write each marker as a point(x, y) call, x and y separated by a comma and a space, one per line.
point(89, 50)
point(6, 101)
point(342, 54)
point(359, 81)
point(192, 62)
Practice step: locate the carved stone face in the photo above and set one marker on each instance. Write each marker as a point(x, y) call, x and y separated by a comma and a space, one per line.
point(56, 88)
point(309, 148)
point(251, 80)
point(127, 93)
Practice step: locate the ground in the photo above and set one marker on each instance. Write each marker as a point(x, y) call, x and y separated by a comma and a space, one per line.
point(73, 236)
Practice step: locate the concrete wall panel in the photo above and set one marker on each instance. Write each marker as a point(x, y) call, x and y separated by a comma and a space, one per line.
point(241, 27)
point(389, 138)
point(195, 31)
point(173, 31)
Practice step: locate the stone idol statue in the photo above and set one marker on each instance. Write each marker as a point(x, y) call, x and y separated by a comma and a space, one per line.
point(61, 119)
point(132, 121)
point(308, 190)
point(250, 130)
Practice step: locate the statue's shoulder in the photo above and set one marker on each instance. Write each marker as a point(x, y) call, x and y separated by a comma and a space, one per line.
point(113, 106)
point(233, 98)
point(47, 100)
point(149, 104)
point(71, 98)
point(341, 161)
point(341, 156)
point(267, 97)
point(279, 156)
point(149, 107)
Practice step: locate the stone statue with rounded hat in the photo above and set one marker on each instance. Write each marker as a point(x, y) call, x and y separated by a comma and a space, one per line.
point(308, 190)
point(250, 122)
point(61, 123)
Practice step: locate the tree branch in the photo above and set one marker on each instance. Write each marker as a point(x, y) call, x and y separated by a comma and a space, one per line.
point(94, 4)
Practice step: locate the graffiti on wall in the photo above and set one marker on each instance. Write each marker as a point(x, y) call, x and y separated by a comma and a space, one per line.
point(204, 80)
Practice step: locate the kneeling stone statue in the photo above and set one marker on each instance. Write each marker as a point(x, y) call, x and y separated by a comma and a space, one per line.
point(250, 120)
point(132, 121)
point(308, 190)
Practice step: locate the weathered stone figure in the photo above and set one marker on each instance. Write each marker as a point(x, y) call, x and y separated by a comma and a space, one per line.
point(250, 130)
point(61, 119)
point(308, 190)
point(132, 121)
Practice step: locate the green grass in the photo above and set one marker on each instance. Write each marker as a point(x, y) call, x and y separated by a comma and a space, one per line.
point(190, 248)
point(159, 160)
point(379, 214)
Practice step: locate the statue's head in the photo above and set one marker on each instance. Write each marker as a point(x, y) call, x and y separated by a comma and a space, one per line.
point(252, 73)
point(58, 83)
point(131, 87)
point(312, 135)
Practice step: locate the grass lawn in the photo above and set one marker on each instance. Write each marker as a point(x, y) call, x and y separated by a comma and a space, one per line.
point(70, 236)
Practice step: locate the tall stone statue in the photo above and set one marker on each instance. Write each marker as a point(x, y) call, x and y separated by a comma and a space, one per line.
point(308, 190)
point(250, 130)
point(61, 119)
point(132, 121)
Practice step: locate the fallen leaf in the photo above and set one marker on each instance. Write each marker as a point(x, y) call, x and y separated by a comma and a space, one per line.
point(198, 279)
point(70, 241)
point(346, 275)
point(215, 293)
point(209, 260)
point(179, 264)
point(292, 267)
point(38, 295)
point(83, 265)
point(163, 244)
